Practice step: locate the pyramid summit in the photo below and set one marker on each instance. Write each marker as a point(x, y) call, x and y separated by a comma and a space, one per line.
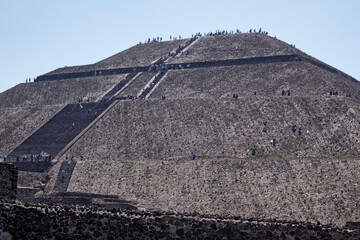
point(230, 50)
point(239, 124)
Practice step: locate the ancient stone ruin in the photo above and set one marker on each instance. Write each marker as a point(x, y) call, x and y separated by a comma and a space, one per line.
point(236, 136)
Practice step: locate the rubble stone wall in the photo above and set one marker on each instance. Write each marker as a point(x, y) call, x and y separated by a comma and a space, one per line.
point(8, 181)
point(57, 222)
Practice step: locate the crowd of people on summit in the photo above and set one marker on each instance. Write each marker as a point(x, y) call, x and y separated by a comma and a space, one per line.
point(198, 34)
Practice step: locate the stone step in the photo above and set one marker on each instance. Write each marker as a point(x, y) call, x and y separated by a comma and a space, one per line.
point(61, 183)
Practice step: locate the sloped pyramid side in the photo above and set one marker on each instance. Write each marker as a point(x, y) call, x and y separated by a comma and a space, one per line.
point(173, 129)
point(138, 55)
point(267, 79)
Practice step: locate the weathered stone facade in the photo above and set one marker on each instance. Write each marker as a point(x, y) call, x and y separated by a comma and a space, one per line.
point(56, 222)
point(289, 190)
point(169, 130)
point(8, 181)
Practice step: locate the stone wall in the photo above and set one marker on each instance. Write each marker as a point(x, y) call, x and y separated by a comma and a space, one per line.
point(8, 181)
point(291, 190)
point(40, 167)
point(174, 128)
point(32, 179)
point(56, 222)
point(268, 79)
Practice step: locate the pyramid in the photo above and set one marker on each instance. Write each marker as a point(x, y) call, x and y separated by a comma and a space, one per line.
point(137, 117)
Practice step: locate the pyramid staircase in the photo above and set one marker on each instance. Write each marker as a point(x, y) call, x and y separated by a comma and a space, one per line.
point(59, 130)
point(62, 183)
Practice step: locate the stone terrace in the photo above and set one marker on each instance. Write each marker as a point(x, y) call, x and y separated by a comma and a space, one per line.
point(268, 79)
point(173, 129)
point(59, 91)
point(213, 48)
point(139, 55)
point(289, 190)
point(16, 124)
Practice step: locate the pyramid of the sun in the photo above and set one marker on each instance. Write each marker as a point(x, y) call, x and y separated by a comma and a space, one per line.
point(168, 100)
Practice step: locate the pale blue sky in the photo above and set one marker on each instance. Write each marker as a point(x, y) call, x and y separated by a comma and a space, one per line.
point(38, 36)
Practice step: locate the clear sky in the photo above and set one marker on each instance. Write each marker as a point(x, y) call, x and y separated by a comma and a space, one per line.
point(38, 36)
